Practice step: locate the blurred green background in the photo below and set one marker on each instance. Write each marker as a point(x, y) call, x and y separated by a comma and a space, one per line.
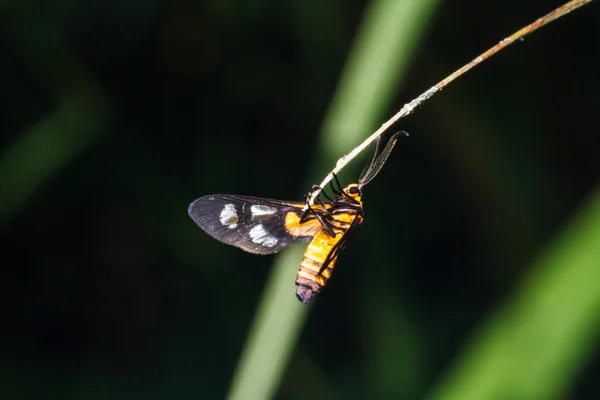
point(481, 235)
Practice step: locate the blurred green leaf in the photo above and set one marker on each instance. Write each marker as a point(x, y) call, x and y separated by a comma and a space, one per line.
point(42, 150)
point(381, 54)
point(80, 114)
point(536, 343)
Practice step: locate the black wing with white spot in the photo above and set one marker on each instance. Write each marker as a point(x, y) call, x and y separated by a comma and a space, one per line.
point(253, 224)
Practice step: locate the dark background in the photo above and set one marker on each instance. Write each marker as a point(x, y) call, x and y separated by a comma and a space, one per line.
point(116, 115)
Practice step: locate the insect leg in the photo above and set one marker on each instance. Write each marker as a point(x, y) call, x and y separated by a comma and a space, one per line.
point(339, 191)
point(327, 225)
point(322, 204)
point(336, 189)
point(305, 214)
point(315, 187)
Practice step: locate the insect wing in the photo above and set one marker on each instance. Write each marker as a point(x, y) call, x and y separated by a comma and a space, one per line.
point(256, 225)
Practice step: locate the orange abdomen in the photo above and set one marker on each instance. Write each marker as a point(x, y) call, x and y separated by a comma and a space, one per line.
point(309, 282)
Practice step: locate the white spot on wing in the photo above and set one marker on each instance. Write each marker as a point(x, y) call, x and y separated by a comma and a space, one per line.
point(260, 211)
point(257, 234)
point(270, 241)
point(229, 216)
point(260, 236)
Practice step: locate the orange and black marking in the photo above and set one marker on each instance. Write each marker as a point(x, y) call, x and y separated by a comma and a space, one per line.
point(265, 226)
point(319, 259)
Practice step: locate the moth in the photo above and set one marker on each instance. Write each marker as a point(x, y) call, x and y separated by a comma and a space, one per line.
point(265, 226)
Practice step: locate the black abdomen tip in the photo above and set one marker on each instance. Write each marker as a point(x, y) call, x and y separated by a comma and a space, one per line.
point(304, 293)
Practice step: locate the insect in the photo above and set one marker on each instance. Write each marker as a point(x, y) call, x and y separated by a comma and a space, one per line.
point(265, 226)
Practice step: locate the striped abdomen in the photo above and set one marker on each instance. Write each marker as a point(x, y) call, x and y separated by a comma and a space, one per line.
point(322, 250)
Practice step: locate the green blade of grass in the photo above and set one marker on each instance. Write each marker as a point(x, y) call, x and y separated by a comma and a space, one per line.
point(74, 125)
point(43, 149)
point(382, 51)
point(536, 343)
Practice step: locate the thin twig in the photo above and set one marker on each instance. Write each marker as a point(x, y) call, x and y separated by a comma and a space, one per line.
point(409, 107)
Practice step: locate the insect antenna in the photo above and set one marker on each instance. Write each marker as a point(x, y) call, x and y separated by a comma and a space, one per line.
point(374, 166)
point(369, 164)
